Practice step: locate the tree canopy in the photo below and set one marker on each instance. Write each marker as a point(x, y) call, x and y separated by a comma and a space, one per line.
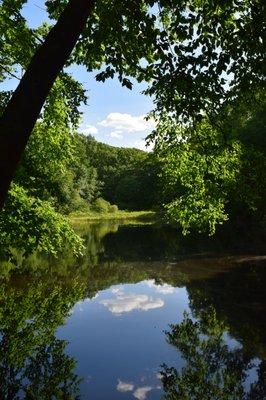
point(213, 171)
point(194, 53)
point(204, 64)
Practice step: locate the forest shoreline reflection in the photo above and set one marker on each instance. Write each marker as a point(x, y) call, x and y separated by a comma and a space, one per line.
point(213, 369)
point(36, 301)
point(33, 362)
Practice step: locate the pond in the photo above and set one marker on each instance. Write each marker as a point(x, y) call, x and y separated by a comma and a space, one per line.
point(144, 314)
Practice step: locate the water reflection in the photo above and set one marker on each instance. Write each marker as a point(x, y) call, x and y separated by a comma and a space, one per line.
point(46, 374)
point(95, 326)
point(33, 362)
point(139, 393)
point(163, 288)
point(214, 369)
point(125, 303)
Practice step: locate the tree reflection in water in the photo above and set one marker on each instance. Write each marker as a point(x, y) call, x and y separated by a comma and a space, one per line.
point(36, 298)
point(33, 362)
point(46, 374)
point(214, 370)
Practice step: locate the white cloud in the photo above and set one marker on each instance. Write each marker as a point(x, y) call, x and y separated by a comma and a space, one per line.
point(89, 130)
point(141, 392)
point(163, 288)
point(124, 386)
point(127, 122)
point(124, 303)
point(116, 135)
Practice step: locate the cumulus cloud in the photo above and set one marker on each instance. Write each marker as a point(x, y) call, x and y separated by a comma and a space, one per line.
point(125, 303)
point(116, 135)
point(141, 392)
point(127, 122)
point(163, 288)
point(123, 386)
point(89, 130)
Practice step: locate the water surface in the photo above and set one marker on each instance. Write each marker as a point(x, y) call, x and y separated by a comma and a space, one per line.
point(97, 327)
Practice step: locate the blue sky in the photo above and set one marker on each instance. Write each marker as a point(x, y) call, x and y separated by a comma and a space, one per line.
point(114, 114)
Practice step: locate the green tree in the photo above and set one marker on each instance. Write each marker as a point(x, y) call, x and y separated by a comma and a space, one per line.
point(51, 169)
point(129, 176)
point(86, 177)
point(215, 169)
point(189, 47)
point(30, 224)
point(199, 172)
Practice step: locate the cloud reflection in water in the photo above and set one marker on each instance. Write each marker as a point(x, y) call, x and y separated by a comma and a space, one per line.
point(124, 386)
point(140, 393)
point(127, 302)
point(163, 288)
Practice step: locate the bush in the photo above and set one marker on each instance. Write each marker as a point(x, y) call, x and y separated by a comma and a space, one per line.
point(113, 208)
point(101, 206)
point(29, 224)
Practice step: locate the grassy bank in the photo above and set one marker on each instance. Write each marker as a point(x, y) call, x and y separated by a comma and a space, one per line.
point(117, 215)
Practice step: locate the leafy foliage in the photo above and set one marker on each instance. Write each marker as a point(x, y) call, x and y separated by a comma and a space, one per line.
point(186, 50)
point(17, 41)
point(187, 53)
point(214, 169)
point(129, 176)
point(201, 171)
point(102, 206)
point(28, 223)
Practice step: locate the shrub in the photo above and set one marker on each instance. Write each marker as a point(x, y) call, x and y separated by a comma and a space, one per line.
point(113, 208)
point(29, 224)
point(100, 205)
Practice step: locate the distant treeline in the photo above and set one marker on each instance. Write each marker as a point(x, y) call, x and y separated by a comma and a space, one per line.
point(73, 172)
point(127, 177)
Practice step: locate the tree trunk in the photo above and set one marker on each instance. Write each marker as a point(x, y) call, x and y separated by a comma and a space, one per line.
point(23, 109)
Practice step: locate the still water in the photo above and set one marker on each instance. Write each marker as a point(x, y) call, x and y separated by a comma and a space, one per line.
point(145, 314)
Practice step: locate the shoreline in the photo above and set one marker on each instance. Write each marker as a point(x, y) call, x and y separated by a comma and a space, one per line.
point(116, 216)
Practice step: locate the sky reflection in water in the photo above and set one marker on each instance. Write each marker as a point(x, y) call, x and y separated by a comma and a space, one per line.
point(119, 341)
point(106, 319)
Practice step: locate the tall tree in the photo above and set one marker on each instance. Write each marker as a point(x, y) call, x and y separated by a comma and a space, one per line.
point(19, 117)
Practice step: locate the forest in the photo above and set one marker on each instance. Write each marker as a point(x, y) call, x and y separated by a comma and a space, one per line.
point(208, 162)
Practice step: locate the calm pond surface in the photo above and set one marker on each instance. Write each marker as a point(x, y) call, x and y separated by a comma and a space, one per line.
point(111, 324)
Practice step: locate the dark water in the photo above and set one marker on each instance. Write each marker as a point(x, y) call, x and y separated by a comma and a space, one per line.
point(111, 325)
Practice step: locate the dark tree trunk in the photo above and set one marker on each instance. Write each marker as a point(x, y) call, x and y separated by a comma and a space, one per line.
point(21, 113)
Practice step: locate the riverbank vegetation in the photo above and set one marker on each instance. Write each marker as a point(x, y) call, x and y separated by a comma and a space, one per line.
point(120, 215)
point(208, 163)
